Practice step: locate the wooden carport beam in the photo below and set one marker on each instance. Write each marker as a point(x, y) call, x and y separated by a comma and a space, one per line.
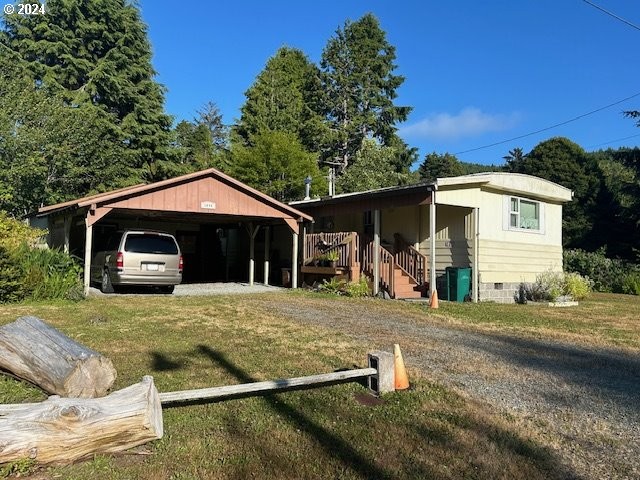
point(94, 214)
point(267, 247)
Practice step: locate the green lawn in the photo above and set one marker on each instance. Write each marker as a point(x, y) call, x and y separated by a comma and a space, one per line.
point(185, 343)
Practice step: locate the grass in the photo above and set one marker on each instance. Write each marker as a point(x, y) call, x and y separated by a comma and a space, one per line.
point(603, 319)
point(426, 432)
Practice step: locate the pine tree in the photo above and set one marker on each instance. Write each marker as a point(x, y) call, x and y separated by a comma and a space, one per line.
point(96, 52)
point(437, 165)
point(285, 98)
point(358, 65)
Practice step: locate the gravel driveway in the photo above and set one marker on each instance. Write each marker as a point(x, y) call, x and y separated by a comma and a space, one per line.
point(584, 401)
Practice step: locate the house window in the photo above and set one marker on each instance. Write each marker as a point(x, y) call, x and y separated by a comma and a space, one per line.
point(367, 222)
point(524, 214)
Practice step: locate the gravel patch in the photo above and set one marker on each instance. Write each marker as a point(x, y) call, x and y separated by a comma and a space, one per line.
point(584, 401)
point(194, 289)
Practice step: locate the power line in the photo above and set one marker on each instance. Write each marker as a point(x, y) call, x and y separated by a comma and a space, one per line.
point(612, 14)
point(614, 141)
point(551, 127)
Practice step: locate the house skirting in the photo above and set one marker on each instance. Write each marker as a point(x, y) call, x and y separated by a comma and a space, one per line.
point(499, 292)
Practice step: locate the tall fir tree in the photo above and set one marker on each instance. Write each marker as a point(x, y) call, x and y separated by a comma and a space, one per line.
point(284, 98)
point(360, 87)
point(96, 52)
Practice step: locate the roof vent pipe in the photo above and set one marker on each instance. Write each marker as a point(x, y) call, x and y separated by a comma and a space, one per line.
point(307, 187)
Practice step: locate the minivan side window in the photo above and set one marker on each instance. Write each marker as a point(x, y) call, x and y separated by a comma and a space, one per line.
point(146, 243)
point(113, 242)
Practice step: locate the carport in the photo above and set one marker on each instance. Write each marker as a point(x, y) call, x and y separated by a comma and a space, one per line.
point(216, 219)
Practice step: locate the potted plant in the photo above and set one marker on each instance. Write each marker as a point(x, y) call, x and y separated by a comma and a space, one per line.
point(332, 257)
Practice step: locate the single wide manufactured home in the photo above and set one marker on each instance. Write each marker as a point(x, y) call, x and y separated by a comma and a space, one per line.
point(505, 227)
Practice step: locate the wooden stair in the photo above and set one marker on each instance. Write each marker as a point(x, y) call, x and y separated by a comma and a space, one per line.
point(404, 286)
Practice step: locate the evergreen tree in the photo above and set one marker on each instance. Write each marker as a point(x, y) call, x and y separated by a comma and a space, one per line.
point(276, 164)
point(358, 65)
point(284, 98)
point(564, 162)
point(51, 152)
point(96, 52)
point(436, 165)
point(373, 167)
point(211, 117)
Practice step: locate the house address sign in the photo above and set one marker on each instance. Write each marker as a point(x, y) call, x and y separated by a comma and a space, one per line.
point(208, 205)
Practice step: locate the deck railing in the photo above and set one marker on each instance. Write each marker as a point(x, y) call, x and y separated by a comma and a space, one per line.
point(410, 259)
point(347, 244)
point(387, 265)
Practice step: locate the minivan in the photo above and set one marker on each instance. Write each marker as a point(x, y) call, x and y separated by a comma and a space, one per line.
point(140, 258)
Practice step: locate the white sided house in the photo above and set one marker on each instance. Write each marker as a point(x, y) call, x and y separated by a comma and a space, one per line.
point(506, 227)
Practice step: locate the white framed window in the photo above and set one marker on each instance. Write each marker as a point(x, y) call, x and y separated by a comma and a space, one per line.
point(523, 214)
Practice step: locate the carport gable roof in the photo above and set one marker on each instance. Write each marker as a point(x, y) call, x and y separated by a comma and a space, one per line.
point(207, 191)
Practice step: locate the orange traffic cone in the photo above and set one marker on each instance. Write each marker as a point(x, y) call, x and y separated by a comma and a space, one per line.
point(402, 381)
point(433, 303)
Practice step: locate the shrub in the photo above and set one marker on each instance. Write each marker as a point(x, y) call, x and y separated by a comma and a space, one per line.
point(10, 278)
point(549, 286)
point(358, 289)
point(631, 283)
point(607, 274)
point(14, 233)
point(334, 286)
point(49, 274)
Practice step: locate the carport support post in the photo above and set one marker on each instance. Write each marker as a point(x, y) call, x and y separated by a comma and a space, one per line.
point(67, 232)
point(252, 248)
point(266, 254)
point(87, 255)
point(376, 252)
point(294, 260)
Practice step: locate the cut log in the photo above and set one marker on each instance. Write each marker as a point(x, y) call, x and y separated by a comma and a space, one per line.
point(38, 353)
point(63, 430)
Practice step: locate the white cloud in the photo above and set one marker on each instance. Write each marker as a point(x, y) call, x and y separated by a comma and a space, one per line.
point(470, 122)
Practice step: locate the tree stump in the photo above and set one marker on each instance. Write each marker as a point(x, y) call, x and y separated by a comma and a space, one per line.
point(38, 353)
point(63, 430)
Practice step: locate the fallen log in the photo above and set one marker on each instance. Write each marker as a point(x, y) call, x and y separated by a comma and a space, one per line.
point(63, 430)
point(38, 353)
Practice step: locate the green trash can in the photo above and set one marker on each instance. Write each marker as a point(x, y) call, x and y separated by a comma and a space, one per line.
point(458, 283)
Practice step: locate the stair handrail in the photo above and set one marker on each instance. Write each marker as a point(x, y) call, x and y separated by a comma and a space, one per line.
point(410, 260)
point(386, 260)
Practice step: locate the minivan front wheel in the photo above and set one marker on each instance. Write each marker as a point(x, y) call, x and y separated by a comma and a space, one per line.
point(105, 285)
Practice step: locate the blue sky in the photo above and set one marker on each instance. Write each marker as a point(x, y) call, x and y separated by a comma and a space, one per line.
point(476, 72)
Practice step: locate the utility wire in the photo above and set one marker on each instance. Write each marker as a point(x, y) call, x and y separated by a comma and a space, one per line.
point(551, 127)
point(614, 141)
point(612, 14)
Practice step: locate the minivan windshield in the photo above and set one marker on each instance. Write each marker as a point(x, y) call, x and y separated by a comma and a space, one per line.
point(149, 243)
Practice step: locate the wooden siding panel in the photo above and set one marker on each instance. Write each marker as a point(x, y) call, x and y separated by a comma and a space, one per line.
point(189, 197)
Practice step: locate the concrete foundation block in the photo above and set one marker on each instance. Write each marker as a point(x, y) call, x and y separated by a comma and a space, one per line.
point(384, 380)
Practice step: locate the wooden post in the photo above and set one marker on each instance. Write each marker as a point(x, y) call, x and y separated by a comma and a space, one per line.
point(88, 241)
point(376, 252)
point(294, 260)
point(63, 430)
point(252, 247)
point(67, 233)
point(432, 243)
point(38, 353)
point(267, 241)
point(476, 259)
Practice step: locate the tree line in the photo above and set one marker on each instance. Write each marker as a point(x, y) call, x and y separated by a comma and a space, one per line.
point(81, 112)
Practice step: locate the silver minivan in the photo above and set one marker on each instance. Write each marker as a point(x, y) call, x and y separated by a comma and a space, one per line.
point(138, 257)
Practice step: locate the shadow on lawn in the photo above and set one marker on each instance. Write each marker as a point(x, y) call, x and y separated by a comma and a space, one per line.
point(161, 363)
point(602, 374)
point(331, 443)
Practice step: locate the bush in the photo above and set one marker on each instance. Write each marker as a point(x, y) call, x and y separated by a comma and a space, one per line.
point(10, 278)
point(14, 233)
point(358, 289)
point(608, 275)
point(631, 283)
point(49, 274)
point(334, 286)
point(27, 271)
point(549, 286)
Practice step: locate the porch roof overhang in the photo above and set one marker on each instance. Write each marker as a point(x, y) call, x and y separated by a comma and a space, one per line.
point(392, 197)
point(195, 196)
